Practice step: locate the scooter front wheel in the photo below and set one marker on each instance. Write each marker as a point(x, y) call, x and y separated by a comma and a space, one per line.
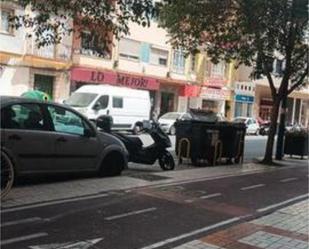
point(166, 161)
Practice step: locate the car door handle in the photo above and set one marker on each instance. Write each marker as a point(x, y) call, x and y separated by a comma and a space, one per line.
point(61, 139)
point(14, 137)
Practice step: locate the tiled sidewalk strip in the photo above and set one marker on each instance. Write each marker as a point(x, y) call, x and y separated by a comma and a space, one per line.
point(286, 228)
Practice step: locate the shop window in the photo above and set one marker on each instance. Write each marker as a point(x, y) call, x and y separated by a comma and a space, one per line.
point(158, 56)
point(117, 102)
point(4, 21)
point(92, 45)
point(129, 49)
point(218, 69)
point(44, 83)
point(178, 62)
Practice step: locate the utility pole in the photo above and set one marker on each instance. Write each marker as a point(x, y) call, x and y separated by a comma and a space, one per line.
point(281, 130)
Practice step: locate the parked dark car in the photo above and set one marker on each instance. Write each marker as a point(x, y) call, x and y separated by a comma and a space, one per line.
point(45, 137)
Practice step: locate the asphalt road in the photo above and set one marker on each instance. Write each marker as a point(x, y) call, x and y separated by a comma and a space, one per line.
point(153, 217)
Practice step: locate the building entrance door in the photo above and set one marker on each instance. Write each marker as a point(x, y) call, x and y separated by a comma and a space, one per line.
point(44, 83)
point(167, 102)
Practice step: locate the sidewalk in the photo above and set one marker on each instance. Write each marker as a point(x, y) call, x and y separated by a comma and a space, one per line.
point(287, 228)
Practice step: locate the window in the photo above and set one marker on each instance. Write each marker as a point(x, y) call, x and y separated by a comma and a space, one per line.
point(66, 121)
point(117, 102)
point(218, 69)
point(91, 45)
point(193, 63)
point(23, 116)
point(4, 21)
point(158, 56)
point(101, 103)
point(178, 62)
point(129, 49)
point(278, 67)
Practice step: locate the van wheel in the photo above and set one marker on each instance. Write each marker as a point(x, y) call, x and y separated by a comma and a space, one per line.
point(112, 165)
point(7, 174)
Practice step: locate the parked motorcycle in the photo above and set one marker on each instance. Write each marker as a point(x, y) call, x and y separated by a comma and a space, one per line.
point(137, 152)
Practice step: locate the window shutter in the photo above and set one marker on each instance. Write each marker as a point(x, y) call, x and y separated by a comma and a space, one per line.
point(145, 50)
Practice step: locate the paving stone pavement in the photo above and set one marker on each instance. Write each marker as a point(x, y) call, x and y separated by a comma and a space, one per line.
point(287, 228)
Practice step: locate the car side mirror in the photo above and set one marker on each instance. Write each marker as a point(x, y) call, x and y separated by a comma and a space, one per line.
point(88, 133)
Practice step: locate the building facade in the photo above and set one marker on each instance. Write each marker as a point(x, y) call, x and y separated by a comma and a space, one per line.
point(24, 66)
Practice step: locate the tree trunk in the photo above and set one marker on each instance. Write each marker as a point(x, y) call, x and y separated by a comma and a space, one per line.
point(272, 132)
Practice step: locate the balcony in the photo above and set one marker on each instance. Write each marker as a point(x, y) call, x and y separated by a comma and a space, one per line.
point(91, 58)
point(59, 52)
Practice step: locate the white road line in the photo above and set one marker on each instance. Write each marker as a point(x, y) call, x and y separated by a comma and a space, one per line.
point(289, 179)
point(18, 222)
point(210, 196)
point(283, 203)
point(23, 238)
point(53, 203)
point(130, 213)
point(253, 187)
point(195, 232)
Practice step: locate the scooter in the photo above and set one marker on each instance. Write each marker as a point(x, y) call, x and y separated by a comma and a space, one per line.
point(137, 152)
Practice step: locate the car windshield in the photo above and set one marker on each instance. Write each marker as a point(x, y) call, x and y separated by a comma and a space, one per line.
point(171, 115)
point(80, 99)
point(240, 120)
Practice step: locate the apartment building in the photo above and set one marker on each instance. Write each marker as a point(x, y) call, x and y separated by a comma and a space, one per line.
point(24, 66)
point(253, 97)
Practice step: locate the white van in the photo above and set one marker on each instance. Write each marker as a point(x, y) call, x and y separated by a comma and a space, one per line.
point(127, 106)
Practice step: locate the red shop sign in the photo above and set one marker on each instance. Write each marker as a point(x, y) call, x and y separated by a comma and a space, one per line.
point(190, 91)
point(114, 78)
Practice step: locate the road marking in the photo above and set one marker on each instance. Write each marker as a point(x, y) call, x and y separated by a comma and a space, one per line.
point(289, 179)
point(130, 213)
point(52, 203)
point(69, 245)
point(18, 222)
point(253, 187)
point(210, 196)
point(282, 203)
point(23, 238)
point(195, 232)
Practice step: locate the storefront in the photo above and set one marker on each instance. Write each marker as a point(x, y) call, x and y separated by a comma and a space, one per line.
point(212, 99)
point(243, 105)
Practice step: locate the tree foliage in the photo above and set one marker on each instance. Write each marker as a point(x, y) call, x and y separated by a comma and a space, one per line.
point(246, 31)
point(250, 32)
point(50, 20)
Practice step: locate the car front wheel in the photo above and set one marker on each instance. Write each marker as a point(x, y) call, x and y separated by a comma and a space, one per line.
point(7, 174)
point(112, 165)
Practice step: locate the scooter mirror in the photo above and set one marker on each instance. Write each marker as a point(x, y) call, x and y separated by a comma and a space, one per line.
point(146, 125)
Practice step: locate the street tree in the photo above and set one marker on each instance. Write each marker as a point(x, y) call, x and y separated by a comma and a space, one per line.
point(50, 20)
point(249, 32)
